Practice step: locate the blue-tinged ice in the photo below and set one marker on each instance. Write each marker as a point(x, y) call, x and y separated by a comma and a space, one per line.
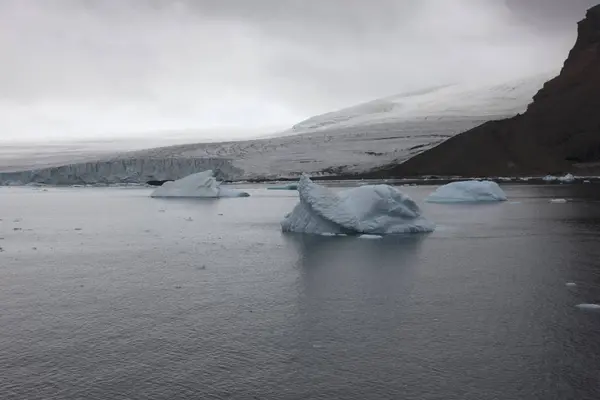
point(467, 192)
point(370, 209)
point(202, 184)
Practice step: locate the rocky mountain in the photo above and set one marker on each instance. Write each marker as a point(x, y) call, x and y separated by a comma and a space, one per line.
point(559, 132)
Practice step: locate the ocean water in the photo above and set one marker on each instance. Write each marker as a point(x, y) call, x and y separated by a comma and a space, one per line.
point(106, 293)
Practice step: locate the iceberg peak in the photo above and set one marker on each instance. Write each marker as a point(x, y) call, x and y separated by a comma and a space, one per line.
point(369, 209)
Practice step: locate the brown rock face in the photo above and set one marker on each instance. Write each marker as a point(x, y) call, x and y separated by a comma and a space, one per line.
point(559, 132)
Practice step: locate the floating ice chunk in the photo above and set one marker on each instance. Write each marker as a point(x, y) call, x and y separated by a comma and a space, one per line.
point(369, 209)
point(565, 179)
point(571, 284)
point(291, 186)
point(202, 184)
point(467, 192)
point(371, 237)
point(589, 307)
point(558, 201)
point(587, 181)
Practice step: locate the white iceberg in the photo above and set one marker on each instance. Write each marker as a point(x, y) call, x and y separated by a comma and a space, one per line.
point(467, 192)
point(202, 184)
point(370, 209)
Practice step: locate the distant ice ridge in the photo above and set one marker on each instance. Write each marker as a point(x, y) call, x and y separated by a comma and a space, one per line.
point(369, 209)
point(352, 140)
point(467, 192)
point(201, 185)
point(123, 170)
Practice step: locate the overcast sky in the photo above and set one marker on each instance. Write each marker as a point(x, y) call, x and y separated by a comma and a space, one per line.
point(102, 68)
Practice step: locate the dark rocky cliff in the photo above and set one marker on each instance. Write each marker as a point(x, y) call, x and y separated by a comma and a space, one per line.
point(559, 132)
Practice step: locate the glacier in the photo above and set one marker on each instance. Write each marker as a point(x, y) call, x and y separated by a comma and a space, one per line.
point(352, 140)
point(467, 192)
point(368, 209)
point(200, 185)
point(125, 170)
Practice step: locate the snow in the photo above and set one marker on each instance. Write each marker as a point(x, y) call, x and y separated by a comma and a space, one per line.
point(467, 191)
point(202, 184)
point(369, 209)
point(568, 178)
point(351, 140)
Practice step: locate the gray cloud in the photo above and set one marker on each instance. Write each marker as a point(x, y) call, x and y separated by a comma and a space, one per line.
point(92, 68)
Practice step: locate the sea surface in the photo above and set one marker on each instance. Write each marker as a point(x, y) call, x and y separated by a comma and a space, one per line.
point(106, 293)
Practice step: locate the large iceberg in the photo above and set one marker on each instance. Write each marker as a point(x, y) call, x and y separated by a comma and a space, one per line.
point(467, 192)
point(369, 209)
point(202, 184)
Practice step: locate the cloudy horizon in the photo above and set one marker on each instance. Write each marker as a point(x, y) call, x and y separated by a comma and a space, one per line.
point(233, 68)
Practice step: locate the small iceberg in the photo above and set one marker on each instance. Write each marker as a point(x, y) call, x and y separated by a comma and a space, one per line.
point(467, 192)
point(202, 184)
point(571, 284)
point(558, 201)
point(588, 307)
point(291, 186)
point(364, 210)
point(568, 178)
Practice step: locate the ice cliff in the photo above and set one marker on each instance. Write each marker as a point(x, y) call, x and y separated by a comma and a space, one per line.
point(369, 209)
point(125, 170)
point(202, 184)
point(467, 192)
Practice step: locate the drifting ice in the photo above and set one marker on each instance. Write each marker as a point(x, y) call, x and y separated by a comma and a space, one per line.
point(467, 191)
point(202, 184)
point(370, 209)
point(567, 178)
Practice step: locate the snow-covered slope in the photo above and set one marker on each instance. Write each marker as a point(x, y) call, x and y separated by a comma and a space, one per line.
point(355, 139)
point(442, 103)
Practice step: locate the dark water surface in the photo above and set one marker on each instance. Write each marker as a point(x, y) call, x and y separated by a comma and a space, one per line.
point(109, 294)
